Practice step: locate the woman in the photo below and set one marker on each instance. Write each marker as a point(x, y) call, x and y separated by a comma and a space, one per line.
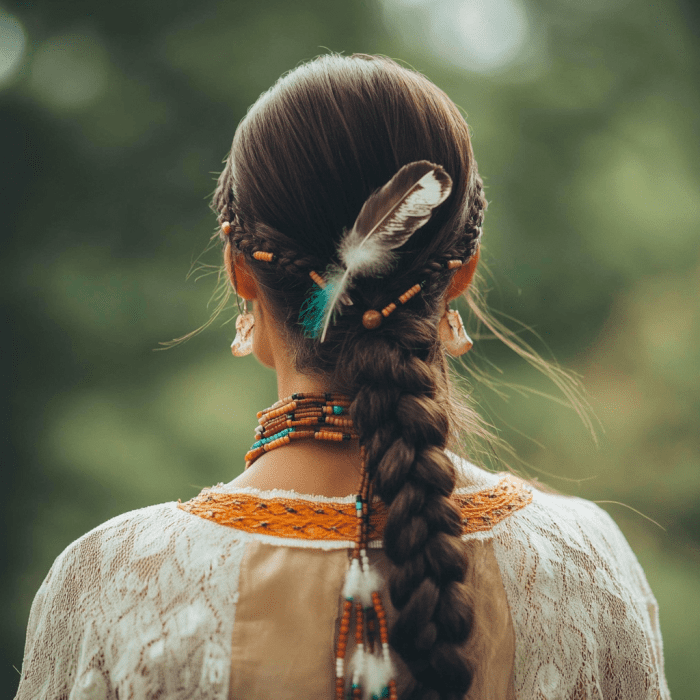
point(351, 211)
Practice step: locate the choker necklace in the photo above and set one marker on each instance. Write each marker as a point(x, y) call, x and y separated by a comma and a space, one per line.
point(324, 416)
point(303, 416)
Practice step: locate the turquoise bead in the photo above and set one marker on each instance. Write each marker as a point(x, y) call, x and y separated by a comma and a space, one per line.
point(337, 410)
point(264, 441)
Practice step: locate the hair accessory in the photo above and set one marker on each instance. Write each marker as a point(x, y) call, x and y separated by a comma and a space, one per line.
point(318, 279)
point(313, 309)
point(370, 671)
point(373, 319)
point(242, 344)
point(386, 221)
point(226, 227)
point(453, 335)
point(265, 257)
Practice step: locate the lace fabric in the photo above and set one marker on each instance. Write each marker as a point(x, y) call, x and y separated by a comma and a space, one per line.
point(145, 606)
point(576, 590)
point(136, 608)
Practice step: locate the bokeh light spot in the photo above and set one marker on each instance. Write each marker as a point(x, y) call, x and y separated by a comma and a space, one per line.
point(479, 35)
point(13, 40)
point(69, 71)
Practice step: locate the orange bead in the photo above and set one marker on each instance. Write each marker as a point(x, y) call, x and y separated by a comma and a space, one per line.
point(226, 227)
point(318, 279)
point(454, 264)
point(388, 309)
point(409, 294)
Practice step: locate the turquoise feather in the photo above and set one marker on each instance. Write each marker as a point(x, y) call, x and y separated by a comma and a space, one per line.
point(314, 308)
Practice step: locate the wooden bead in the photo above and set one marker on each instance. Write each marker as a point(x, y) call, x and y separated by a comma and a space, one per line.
point(454, 264)
point(371, 319)
point(410, 293)
point(226, 227)
point(265, 257)
point(388, 309)
point(318, 279)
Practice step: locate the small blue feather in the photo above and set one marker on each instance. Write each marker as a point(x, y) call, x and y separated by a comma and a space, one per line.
point(314, 309)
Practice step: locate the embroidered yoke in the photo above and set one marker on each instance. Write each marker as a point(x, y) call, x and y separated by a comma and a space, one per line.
point(237, 594)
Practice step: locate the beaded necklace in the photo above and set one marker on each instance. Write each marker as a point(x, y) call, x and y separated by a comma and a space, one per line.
point(307, 416)
point(323, 416)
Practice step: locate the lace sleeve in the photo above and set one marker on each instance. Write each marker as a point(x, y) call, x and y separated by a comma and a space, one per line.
point(58, 628)
point(585, 620)
point(140, 607)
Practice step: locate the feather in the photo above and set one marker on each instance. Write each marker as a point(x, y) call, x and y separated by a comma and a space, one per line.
point(386, 221)
point(313, 309)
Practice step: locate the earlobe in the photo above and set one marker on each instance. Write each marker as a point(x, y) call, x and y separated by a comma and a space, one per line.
point(462, 278)
point(239, 275)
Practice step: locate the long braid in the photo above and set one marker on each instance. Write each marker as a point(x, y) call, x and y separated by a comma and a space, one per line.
point(404, 428)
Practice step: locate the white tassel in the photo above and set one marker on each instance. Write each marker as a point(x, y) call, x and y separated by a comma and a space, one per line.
point(371, 582)
point(377, 675)
point(386, 221)
point(358, 665)
point(353, 581)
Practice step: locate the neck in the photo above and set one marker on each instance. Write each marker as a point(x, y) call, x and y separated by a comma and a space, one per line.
point(321, 468)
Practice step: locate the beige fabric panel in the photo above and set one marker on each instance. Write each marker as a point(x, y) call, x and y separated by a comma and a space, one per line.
point(288, 614)
point(284, 631)
point(494, 641)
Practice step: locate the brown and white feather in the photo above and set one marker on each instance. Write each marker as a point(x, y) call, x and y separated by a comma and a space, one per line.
point(388, 218)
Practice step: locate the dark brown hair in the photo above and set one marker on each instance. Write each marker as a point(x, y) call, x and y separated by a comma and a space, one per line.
point(304, 160)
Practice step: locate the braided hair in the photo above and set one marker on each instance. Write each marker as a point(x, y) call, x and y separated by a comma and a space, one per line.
point(304, 160)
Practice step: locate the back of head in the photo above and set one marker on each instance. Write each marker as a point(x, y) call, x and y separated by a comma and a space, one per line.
point(304, 160)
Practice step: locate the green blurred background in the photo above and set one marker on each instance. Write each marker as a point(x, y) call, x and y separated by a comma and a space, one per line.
point(114, 119)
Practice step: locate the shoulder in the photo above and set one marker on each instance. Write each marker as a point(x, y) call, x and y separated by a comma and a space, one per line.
point(571, 577)
point(558, 521)
point(142, 581)
point(140, 531)
point(136, 540)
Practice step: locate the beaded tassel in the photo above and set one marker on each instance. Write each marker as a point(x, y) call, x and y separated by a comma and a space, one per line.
point(371, 674)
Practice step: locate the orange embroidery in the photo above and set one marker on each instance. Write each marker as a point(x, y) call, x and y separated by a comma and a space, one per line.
point(312, 520)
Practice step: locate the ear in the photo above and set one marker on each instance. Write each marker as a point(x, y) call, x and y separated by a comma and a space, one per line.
point(239, 275)
point(462, 278)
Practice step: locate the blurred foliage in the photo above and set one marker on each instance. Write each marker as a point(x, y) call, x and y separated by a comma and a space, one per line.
point(113, 126)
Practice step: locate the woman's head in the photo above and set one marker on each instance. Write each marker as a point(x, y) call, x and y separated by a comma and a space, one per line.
point(304, 160)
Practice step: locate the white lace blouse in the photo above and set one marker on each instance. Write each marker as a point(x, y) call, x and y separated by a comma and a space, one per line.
point(237, 594)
